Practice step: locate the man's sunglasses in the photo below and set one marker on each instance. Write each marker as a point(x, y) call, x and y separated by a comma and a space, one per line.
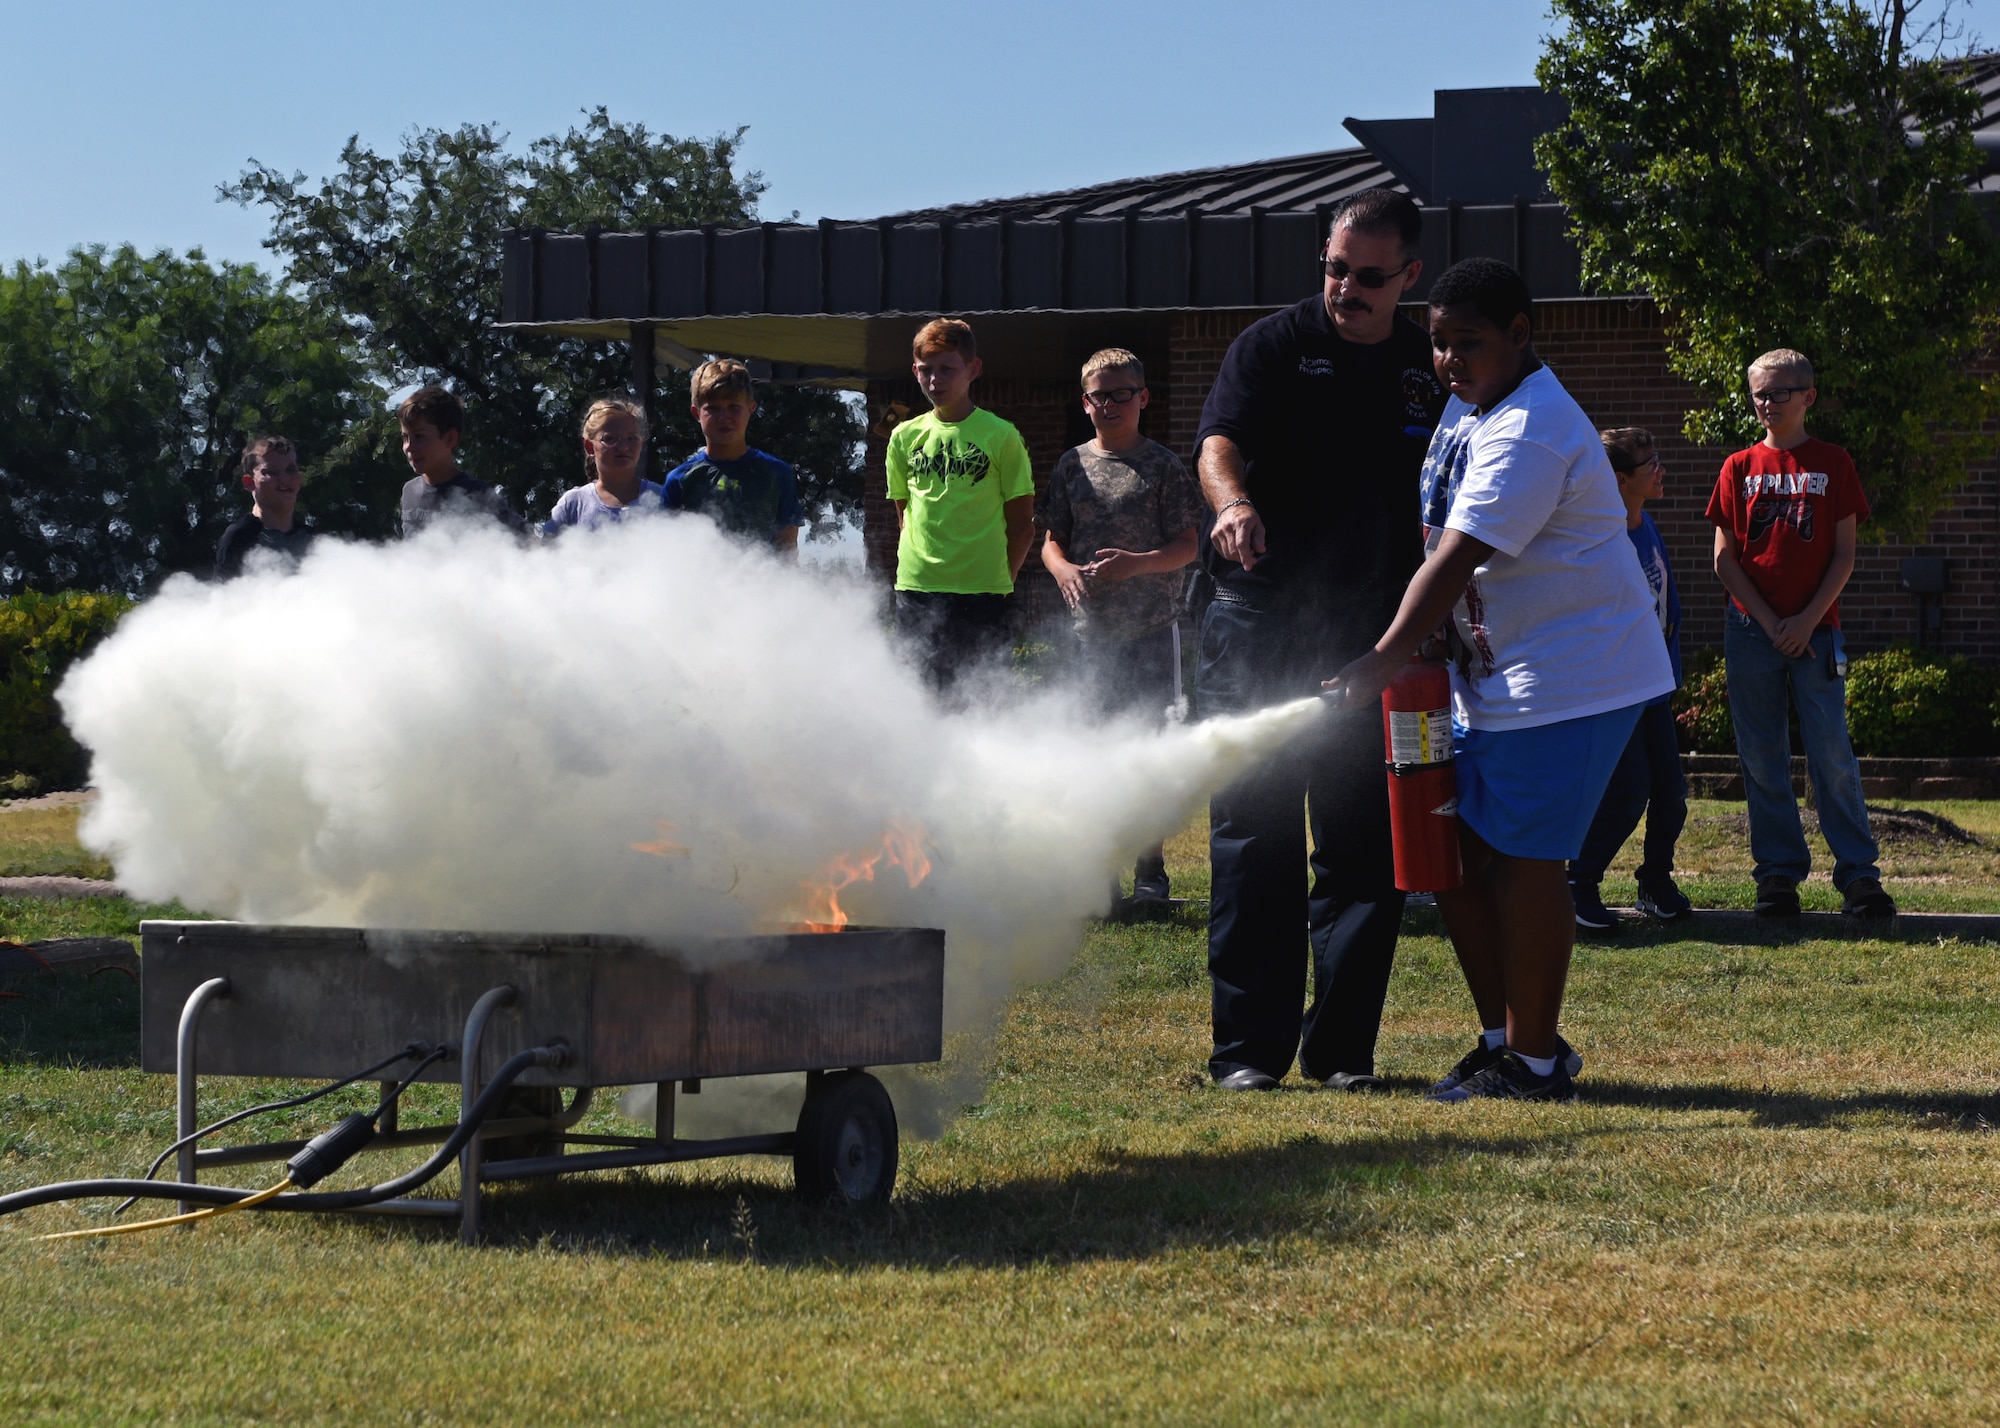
point(1776, 396)
point(1111, 396)
point(1338, 270)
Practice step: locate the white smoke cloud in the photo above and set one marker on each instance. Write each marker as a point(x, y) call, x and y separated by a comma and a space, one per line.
point(465, 732)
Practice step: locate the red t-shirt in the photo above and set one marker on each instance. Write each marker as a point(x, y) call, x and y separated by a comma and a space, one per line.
point(1782, 507)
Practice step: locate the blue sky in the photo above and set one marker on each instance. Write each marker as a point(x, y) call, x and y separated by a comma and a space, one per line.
point(122, 117)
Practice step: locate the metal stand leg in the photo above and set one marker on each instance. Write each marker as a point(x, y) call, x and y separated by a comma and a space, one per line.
point(184, 1073)
point(468, 1092)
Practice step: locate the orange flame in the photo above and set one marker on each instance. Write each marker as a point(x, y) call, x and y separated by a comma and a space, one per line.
point(664, 846)
point(902, 847)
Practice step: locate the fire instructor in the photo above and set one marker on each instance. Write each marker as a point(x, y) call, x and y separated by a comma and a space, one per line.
point(1309, 451)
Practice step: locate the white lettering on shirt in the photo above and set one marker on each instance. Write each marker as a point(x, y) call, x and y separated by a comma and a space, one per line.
point(1316, 366)
point(1784, 483)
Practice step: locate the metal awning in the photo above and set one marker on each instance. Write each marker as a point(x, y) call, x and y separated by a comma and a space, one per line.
point(837, 302)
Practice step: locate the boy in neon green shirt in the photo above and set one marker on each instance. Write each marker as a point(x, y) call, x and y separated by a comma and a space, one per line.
point(965, 500)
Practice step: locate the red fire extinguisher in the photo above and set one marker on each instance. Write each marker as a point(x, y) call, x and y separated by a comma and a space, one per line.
point(1423, 789)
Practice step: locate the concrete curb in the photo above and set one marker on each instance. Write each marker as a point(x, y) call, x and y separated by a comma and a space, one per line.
point(90, 955)
point(1720, 776)
point(1722, 924)
point(1718, 924)
point(59, 887)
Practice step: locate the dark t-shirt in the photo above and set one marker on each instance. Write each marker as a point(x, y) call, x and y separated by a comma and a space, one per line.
point(246, 534)
point(1334, 433)
point(1121, 500)
point(423, 502)
point(755, 495)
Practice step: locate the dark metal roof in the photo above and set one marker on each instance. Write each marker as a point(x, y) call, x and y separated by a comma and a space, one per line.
point(1298, 184)
point(1047, 273)
point(843, 298)
point(1982, 73)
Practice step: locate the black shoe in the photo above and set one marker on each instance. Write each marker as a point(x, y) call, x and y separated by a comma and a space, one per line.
point(1482, 1056)
point(1354, 1081)
point(1864, 899)
point(1469, 1065)
point(1509, 1078)
point(1660, 900)
point(1246, 1078)
point(1777, 896)
point(1149, 879)
point(1591, 913)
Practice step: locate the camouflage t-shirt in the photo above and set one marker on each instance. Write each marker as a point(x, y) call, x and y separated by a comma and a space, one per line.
point(1124, 500)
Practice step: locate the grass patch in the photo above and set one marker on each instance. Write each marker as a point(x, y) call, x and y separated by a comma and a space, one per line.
point(1775, 1203)
point(41, 842)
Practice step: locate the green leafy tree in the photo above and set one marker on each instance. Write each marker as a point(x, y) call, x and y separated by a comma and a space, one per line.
point(129, 385)
point(409, 245)
point(1791, 173)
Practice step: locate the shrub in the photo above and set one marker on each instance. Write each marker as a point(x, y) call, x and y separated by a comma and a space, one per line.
point(40, 635)
point(1701, 705)
point(1906, 704)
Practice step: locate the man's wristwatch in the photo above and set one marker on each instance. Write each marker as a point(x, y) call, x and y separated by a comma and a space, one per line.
point(1239, 501)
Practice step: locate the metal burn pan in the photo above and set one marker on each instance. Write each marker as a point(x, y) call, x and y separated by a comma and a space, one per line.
point(316, 1002)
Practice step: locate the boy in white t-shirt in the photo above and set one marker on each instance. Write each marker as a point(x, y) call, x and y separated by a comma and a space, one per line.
point(1557, 650)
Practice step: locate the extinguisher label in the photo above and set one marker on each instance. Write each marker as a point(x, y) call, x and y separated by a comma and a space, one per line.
point(1447, 809)
point(1419, 736)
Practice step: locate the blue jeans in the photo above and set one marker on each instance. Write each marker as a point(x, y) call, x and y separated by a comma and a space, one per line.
point(1648, 781)
point(1758, 679)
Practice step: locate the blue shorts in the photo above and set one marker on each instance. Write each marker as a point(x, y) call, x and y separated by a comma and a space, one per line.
point(1531, 793)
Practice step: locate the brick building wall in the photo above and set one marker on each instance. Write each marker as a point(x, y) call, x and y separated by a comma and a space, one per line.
point(1611, 355)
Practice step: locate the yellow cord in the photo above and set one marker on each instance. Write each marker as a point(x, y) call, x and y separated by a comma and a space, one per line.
point(259, 1198)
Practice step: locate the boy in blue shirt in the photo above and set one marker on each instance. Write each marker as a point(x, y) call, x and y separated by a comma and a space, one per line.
point(1648, 779)
point(1558, 650)
point(745, 491)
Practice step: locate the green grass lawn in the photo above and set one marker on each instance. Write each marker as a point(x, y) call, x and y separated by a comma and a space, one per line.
point(42, 841)
point(1774, 1203)
point(1925, 867)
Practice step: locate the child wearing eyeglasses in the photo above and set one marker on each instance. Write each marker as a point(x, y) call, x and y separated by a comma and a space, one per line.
point(1121, 513)
point(1648, 780)
point(1785, 513)
point(614, 439)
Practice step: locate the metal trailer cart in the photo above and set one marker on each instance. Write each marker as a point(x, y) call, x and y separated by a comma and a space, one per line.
point(309, 1003)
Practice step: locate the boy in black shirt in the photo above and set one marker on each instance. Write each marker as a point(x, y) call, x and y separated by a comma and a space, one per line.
point(433, 420)
point(271, 476)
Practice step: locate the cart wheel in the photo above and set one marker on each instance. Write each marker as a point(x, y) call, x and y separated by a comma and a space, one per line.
point(846, 1151)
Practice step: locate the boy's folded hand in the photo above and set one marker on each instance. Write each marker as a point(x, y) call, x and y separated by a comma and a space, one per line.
point(1069, 580)
point(1792, 637)
point(1112, 566)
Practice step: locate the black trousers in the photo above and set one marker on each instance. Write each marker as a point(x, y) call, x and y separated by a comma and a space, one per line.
point(1333, 783)
point(1648, 780)
point(948, 635)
